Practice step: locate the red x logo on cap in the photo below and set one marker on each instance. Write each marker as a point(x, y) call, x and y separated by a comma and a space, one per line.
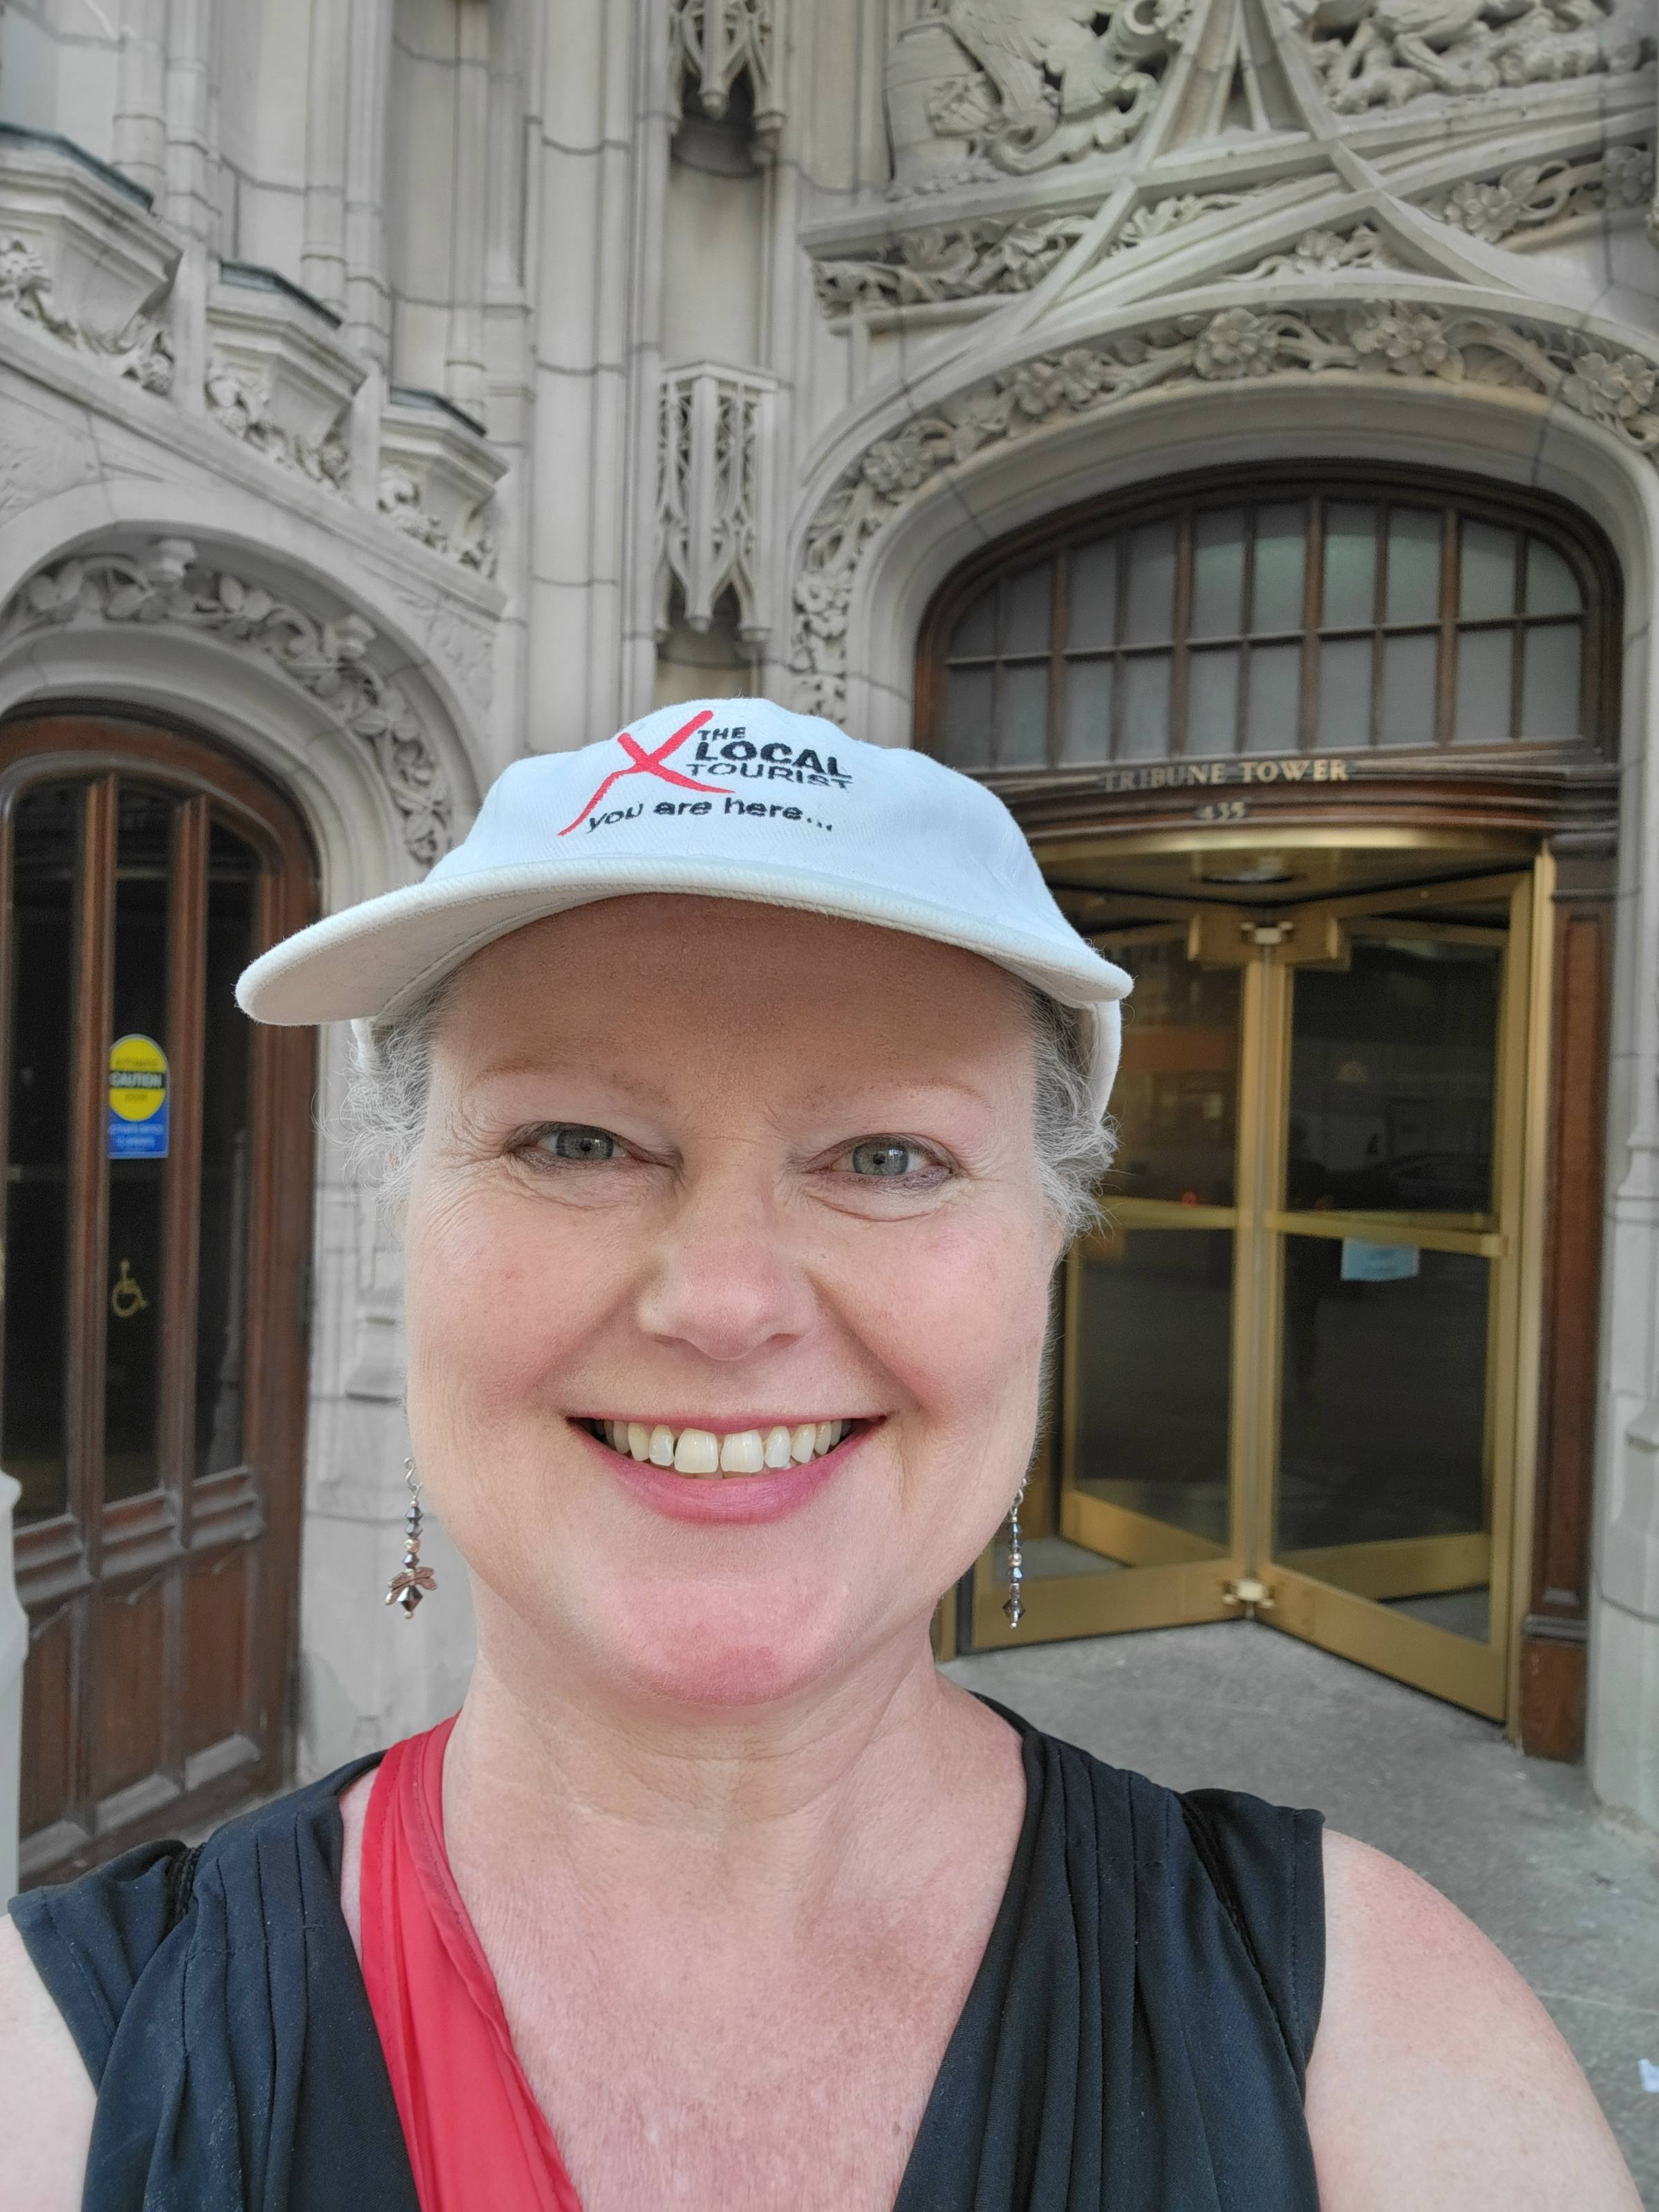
point(647, 763)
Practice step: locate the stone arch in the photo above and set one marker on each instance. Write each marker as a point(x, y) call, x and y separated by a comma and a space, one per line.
point(1073, 409)
point(186, 615)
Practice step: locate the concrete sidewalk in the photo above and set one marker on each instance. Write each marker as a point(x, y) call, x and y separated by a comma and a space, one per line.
point(1567, 1890)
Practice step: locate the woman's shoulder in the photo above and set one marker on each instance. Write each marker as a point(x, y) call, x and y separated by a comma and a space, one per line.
point(46, 2094)
point(91, 1939)
point(1439, 2078)
point(224, 1966)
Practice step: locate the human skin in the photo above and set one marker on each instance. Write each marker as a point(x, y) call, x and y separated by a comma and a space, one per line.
point(732, 1846)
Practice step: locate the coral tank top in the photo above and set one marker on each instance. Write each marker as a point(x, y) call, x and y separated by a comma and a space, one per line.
point(476, 2134)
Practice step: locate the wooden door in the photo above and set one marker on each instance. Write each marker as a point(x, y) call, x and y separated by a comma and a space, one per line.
point(157, 1232)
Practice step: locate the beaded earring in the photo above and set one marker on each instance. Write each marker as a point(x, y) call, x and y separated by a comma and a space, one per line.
point(1012, 1604)
point(407, 1587)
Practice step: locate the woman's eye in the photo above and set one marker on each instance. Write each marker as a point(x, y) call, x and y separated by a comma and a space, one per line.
point(568, 1142)
point(887, 1157)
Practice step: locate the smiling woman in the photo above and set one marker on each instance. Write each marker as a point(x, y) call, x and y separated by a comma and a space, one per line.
point(735, 1147)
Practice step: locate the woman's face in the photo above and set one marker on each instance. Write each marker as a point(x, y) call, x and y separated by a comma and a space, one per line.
point(698, 1165)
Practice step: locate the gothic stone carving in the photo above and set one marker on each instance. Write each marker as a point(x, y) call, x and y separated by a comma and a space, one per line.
point(1619, 390)
point(1156, 219)
point(1527, 201)
point(714, 43)
point(399, 499)
point(139, 350)
point(1018, 85)
point(328, 659)
point(241, 404)
point(438, 474)
point(952, 261)
point(713, 433)
point(1324, 253)
point(1381, 53)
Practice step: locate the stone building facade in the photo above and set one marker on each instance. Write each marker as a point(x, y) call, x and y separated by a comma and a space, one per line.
point(390, 388)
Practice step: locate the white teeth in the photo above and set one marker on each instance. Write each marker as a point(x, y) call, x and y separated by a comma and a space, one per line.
point(698, 1451)
point(704, 1453)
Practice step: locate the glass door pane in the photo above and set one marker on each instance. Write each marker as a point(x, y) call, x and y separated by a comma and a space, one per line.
point(1395, 1328)
point(1140, 1529)
point(1384, 1485)
point(1150, 1338)
point(46, 861)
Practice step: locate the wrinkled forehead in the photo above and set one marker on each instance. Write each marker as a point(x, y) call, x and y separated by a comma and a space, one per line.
point(671, 974)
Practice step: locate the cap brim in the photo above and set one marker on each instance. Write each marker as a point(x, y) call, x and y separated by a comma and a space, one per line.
point(369, 960)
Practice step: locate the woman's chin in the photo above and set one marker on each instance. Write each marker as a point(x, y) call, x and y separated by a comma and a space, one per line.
point(725, 1648)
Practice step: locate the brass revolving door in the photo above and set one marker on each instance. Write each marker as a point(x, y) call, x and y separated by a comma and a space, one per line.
point(1290, 1380)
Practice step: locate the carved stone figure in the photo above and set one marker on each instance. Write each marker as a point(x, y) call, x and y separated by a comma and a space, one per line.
point(1382, 53)
point(140, 351)
point(1017, 85)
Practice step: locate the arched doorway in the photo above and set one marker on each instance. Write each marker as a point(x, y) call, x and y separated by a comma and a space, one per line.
point(1327, 763)
point(157, 1234)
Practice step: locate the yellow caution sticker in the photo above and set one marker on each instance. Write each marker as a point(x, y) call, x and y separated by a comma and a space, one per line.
point(137, 1099)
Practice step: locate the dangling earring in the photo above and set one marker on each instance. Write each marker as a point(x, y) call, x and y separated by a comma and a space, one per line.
point(405, 1588)
point(1012, 1604)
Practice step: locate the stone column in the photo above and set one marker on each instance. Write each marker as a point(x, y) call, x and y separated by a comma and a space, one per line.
point(368, 82)
point(140, 129)
point(189, 199)
point(576, 497)
point(322, 261)
point(464, 357)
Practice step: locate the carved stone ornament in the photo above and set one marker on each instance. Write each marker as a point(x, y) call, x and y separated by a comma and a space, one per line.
point(165, 582)
point(713, 453)
point(1526, 203)
point(950, 261)
point(438, 474)
point(1324, 253)
point(1382, 53)
point(399, 498)
point(714, 43)
point(1620, 390)
point(1157, 219)
point(140, 350)
point(978, 87)
point(241, 404)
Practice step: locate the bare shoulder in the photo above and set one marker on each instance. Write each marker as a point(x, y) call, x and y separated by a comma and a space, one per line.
point(1438, 2079)
point(46, 2097)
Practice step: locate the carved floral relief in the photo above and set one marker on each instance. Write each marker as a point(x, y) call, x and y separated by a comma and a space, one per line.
point(1616, 389)
point(166, 582)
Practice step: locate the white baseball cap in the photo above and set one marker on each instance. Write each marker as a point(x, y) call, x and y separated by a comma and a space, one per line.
point(725, 799)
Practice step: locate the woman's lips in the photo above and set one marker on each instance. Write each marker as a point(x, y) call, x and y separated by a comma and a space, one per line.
point(769, 1495)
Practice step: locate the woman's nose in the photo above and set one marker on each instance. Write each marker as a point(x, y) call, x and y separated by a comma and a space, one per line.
point(723, 1280)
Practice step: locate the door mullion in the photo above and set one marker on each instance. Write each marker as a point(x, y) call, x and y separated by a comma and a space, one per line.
point(187, 940)
point(186, 986)
point(88, 1233)
point(1257, 1334)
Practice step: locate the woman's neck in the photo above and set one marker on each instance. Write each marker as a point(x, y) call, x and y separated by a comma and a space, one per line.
point(552, 1784)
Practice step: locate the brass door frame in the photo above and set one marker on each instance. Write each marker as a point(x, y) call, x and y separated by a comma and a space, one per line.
point(1158, 1594)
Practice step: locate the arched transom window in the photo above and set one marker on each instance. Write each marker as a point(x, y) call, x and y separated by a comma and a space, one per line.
point(1242, 619)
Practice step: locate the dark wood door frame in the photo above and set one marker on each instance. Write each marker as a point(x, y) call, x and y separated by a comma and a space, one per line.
point(198, 1576)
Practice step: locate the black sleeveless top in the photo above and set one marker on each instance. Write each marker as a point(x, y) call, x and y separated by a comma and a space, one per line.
point(1135, 2040)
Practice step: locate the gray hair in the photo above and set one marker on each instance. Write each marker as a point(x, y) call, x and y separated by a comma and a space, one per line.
point(384, 1111)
